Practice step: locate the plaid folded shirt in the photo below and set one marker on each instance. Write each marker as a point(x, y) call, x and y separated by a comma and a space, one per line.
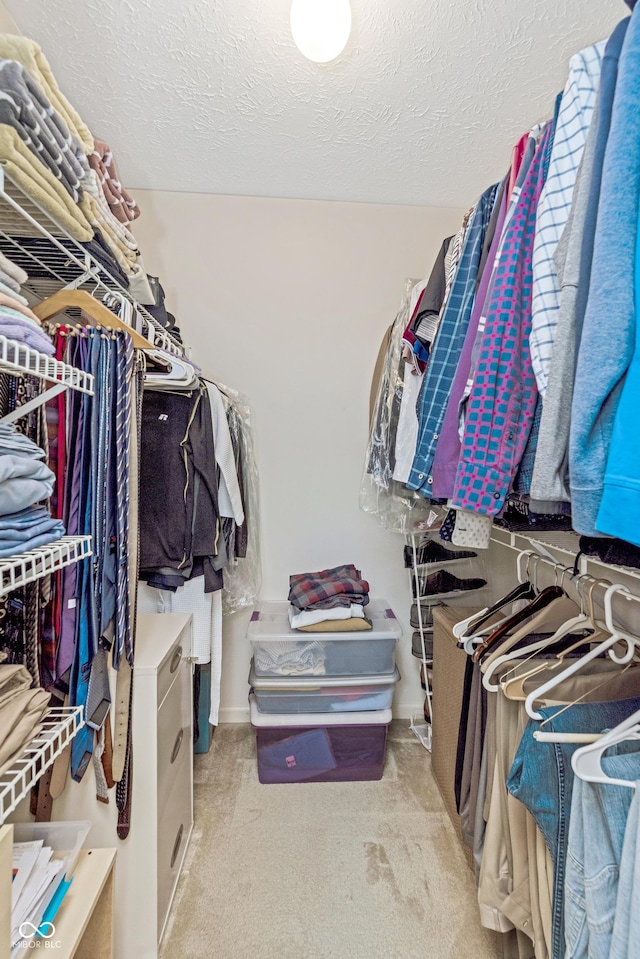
point(328, 588)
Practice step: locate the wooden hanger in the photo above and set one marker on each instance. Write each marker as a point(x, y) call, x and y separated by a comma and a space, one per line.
point(81, 300)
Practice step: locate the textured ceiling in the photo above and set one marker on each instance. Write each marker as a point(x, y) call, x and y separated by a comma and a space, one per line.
point(212, 96)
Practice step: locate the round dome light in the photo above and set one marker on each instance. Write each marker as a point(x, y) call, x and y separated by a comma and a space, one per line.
point(321, 28)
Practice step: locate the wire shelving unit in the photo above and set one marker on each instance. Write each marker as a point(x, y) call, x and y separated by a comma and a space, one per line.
point(59, 727)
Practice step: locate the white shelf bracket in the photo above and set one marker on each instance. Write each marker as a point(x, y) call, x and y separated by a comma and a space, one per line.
point(33, 404)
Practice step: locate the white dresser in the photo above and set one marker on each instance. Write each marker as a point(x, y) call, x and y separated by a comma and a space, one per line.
point(162, 804)
point(148, 862)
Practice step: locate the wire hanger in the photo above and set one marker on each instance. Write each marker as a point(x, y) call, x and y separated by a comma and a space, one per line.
point(79, 299)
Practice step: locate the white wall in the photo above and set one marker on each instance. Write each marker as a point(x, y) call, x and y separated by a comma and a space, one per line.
point(7, 23)
point(288, 301)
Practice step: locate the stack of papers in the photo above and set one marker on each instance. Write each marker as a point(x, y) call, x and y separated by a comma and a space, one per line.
point(37, 889)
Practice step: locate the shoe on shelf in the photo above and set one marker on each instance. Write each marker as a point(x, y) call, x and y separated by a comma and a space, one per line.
point(416, 644)
point(444, 582)
point(426, 610)
point(427, 716)
point(429, 677)
point(434, 552)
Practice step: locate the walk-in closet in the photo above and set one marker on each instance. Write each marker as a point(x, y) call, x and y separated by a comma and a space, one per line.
point(319, 458)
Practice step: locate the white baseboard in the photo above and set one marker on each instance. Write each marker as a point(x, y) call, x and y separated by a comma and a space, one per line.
point(233, 714)
point(240, 714)
point(406, 711)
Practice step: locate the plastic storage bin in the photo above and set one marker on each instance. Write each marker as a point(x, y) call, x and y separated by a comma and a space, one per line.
point(320, 747)
point(66, 839)
point(279, 650)
point(295, 694)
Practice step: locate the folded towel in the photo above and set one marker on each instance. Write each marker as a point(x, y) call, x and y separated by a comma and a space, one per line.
point(8, 283)
point(122, 204)
point(15, 304)
point(24, 106)
point(116, 230)
point(17, 327)
point(29, 54)
point(12, 289)
point(12, 270)
point(33, 178)
point(124, 257)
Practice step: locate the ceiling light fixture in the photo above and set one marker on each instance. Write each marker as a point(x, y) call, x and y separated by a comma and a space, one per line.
point(321, 28)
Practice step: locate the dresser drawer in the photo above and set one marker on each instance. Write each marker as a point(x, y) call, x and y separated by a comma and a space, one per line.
point(174, 733)
point(170, 667)
point(174, 829)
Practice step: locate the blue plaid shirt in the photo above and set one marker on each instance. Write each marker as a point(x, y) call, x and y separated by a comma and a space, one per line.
point(445, 355)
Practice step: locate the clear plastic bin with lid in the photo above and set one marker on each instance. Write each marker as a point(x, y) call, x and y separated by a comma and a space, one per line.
point(279, 650)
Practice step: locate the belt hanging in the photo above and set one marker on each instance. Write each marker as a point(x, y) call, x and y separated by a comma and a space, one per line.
point(125, 685)
point(124, 787)
point(121, 719)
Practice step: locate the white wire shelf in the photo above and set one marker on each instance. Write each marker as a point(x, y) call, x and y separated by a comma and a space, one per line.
point(18, 358)
point(566, 543)
point(53, 259)
point(60, 725)
point(16, 571)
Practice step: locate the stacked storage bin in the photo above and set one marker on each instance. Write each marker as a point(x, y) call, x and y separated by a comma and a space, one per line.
point(321, 702)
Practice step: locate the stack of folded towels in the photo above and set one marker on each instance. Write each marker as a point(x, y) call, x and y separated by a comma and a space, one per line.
point(25, 480)
point(17, 321)
point(49, 152)
point(21, 712)
point(331, 600)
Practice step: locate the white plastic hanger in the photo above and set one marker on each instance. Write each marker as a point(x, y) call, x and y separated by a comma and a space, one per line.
point(512, 686)
point(615, 637)
point(562, 606)
point(464, 630)
point(181, 374)
point(460, 629)
point(587, 761)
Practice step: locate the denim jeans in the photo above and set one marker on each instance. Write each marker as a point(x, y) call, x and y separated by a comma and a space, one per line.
point(542, 778)
point(596, 833)
point(625, 943)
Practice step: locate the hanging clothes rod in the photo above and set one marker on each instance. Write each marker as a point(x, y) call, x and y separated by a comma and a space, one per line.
point(581, 587)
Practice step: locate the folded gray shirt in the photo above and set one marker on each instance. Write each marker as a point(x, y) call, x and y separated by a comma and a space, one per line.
point(23, 481)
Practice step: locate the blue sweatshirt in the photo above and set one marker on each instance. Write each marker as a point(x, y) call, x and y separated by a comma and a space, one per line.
point(619, 512)
point(608, 335)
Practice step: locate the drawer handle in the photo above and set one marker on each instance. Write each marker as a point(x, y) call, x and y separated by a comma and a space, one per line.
point(176, 660)
point(176, 846)
point(177, 745)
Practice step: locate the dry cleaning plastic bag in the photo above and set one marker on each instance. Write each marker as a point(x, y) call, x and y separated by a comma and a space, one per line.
point(396, 507)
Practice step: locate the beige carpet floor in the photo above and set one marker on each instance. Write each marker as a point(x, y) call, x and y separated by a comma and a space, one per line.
point(322, 871)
